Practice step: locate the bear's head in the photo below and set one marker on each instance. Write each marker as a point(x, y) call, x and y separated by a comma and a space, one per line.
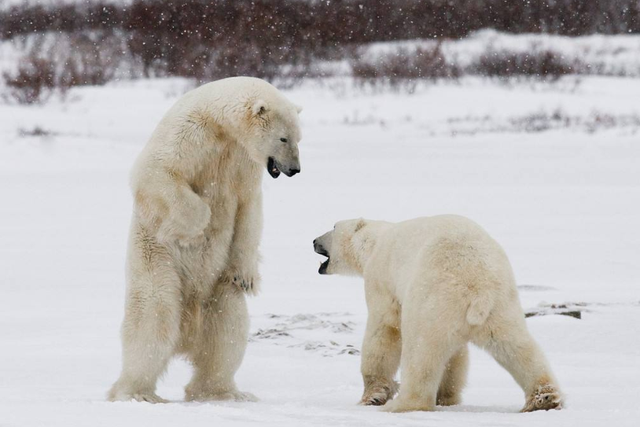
point(274, 134)
point(346, 247)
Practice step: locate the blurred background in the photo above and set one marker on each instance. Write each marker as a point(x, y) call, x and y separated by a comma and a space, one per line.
point(53, 45)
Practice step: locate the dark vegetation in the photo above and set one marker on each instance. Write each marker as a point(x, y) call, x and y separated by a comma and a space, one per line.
point(403, 69)
point(280, 39)
point(33, 81)
point(324, 23)
point(540, 63)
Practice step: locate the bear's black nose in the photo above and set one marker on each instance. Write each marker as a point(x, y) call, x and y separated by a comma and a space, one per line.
point(293, 171)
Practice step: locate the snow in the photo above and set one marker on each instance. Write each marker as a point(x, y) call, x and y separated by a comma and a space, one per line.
point(564, 203)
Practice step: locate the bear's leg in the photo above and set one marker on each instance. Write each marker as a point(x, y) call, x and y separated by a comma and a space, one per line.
point(454, 379)
point(380, 350)
point(151, 326)
point(242, 268)
point(427, 346)
point(519, 354)
point(219, 346)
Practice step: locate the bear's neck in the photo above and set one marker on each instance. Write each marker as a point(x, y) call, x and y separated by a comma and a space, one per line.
point(229, 166)
point(364, 243)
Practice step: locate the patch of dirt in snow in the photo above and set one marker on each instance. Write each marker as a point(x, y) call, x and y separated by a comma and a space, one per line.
point(322, 332)
point(542, 121)
point(571, 309)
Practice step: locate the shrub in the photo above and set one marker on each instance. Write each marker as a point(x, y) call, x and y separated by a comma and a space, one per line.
point(538, 63)
point(60, 62)
point(404, 68)
point(33, 81)
point(87, 61)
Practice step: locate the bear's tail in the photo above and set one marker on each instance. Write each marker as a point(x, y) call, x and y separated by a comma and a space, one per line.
point(479, 308)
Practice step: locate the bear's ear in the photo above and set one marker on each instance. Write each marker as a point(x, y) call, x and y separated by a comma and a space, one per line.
point(361, 223)
point(299, 108)
point(259, 107)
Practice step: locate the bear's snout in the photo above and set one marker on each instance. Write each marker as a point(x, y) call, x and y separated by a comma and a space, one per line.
point(293, 172)
point(319, 249)
point(274, 167)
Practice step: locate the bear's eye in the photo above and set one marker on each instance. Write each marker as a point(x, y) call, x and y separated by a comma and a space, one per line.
point(284, 140)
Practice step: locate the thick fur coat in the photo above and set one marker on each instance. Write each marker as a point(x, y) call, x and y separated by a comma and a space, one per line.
point(432, 285)
point(195, 232)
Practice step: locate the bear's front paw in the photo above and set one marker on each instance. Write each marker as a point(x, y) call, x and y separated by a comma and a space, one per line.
point(187, 223)
point(546, 397)
point(245, 281)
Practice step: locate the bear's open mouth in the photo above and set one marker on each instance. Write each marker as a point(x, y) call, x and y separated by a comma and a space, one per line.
point(272, 168)
point(321, 251)
point(324, 266)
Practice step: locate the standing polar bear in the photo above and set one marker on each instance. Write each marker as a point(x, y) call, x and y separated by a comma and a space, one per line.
point(432, 285)
point(193, 243)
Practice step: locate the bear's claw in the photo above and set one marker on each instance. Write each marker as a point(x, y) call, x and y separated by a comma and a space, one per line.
point(244, 280)
point(245, 285)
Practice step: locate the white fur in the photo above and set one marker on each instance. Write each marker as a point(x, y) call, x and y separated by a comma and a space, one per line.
point(432, 285)
point(193, 244)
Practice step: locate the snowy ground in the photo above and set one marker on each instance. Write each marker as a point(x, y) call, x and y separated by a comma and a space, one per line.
point(563, 199)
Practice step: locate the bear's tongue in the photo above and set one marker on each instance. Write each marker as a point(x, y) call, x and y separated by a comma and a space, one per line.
point(272, 168)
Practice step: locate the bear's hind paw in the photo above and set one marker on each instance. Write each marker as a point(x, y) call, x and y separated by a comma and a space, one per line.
point(375, 399)
point(401, 405)
point(244, 396)
point(149, 397)
point(448, 400)
point(138, 397)
point(378, 395)
point(545, 398)
point(233, 395)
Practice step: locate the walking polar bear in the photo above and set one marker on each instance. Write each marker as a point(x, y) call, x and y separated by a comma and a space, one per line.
point(432, 285)
point(193, 243)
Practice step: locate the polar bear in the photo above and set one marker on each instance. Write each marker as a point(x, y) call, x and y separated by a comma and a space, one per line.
point(432, 285)
point(193, 242)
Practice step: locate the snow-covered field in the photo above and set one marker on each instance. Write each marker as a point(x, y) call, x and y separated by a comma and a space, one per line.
point(562, 198)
